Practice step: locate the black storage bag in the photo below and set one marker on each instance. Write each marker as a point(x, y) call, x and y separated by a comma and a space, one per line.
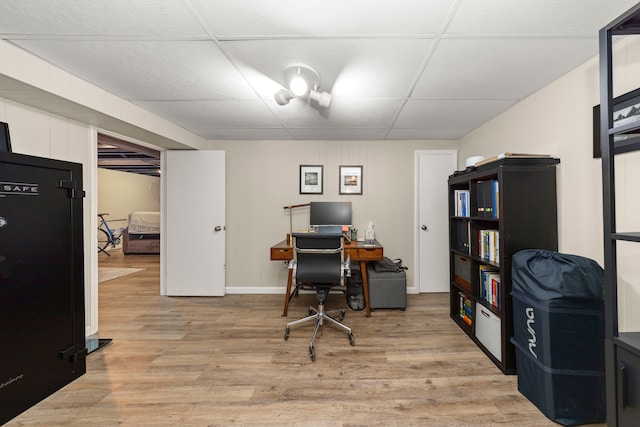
point(388, 264)
point(558, 321)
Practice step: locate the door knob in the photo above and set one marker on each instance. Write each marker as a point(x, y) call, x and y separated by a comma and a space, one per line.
point(218, 228)
point(424, 227)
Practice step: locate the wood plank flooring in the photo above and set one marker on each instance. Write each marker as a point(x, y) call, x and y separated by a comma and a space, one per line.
point(192, 361)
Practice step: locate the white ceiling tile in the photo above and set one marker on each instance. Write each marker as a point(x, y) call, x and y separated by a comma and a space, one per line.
point(245, 134)
point(331, 17)
point(148, 69)
point(57, 18)
point(449, 114)
point(498, 68)
point(194, 114)
point(566, 17)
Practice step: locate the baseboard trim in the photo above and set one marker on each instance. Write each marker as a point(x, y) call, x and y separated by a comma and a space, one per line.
point(257, 290)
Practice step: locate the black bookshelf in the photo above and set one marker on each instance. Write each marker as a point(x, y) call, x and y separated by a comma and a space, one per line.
point(512, 207)
point(622, 349)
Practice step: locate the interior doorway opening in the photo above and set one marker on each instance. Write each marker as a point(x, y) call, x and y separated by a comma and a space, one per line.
point(128, 185)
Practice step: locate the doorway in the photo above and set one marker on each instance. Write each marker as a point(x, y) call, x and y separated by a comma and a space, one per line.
point(433, 168)
point(128, 182)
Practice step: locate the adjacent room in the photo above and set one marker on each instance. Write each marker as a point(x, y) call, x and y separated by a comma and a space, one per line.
point(319, 213)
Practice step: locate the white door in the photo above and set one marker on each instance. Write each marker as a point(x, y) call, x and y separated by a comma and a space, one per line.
point(433, 168)
point(194, 238)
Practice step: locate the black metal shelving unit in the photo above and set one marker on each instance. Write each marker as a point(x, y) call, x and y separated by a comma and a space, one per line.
point(622, 349)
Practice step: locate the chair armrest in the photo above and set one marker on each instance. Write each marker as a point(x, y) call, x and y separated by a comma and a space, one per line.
point(319, 251)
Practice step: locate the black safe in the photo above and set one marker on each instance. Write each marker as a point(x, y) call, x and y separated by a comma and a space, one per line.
point(42, 315)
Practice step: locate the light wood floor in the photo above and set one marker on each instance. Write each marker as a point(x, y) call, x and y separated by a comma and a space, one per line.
point(223, 361)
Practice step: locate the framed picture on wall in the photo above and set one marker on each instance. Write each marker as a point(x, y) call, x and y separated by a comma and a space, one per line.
point(350, 180)
point(626, 110)
point(311, 177)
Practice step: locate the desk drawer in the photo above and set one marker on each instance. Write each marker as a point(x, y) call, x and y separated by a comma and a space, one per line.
point(281, 254)
point(368, 254)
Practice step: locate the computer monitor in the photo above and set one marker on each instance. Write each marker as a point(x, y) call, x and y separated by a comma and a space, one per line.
point(5, 139)
point(330, 213)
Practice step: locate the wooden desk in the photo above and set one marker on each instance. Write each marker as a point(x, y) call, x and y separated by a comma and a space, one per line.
point(356, 250)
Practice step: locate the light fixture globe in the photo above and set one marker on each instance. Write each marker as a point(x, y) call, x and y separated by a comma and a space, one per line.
point(298, 86)
point(301, 79)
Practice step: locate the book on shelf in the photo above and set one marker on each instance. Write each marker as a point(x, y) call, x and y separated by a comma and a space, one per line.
point(490, 286)
point(461, 203)
point(465, 309)
point(489, 245)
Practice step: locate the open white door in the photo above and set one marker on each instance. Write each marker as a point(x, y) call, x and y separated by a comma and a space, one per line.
point(194, 237)
point(433, 168)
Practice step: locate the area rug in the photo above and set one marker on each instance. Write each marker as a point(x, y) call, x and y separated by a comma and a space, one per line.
point(110, 273)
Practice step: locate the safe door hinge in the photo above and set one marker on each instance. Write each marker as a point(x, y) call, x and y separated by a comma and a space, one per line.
point(70, 186)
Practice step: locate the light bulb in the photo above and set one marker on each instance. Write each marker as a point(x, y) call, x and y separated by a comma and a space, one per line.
point(298, 85)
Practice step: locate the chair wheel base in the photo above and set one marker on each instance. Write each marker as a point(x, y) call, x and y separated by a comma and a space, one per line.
point(312, 353)
point(352, 340)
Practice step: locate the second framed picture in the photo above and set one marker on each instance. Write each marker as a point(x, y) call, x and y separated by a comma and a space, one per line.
point(311, 177)
point(350, 179)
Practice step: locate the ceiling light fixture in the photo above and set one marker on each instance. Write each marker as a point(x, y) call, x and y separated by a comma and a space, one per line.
point(303, 81)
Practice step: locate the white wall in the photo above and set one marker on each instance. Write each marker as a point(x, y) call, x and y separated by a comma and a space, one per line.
point(263, 177)
point(120, 193)
point(558, 120)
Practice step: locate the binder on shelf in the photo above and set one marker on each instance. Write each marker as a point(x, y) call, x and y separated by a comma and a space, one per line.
point(461, 237)
point(480, 200)
point(487, 192)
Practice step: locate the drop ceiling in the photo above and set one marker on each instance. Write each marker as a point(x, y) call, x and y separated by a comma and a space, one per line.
point(396, 70)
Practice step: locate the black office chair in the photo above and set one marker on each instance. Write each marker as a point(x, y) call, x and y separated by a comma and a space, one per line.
point(319, 263)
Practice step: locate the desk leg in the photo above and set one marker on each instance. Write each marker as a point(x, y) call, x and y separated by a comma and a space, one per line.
point(287, 295)
point(365, 285)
